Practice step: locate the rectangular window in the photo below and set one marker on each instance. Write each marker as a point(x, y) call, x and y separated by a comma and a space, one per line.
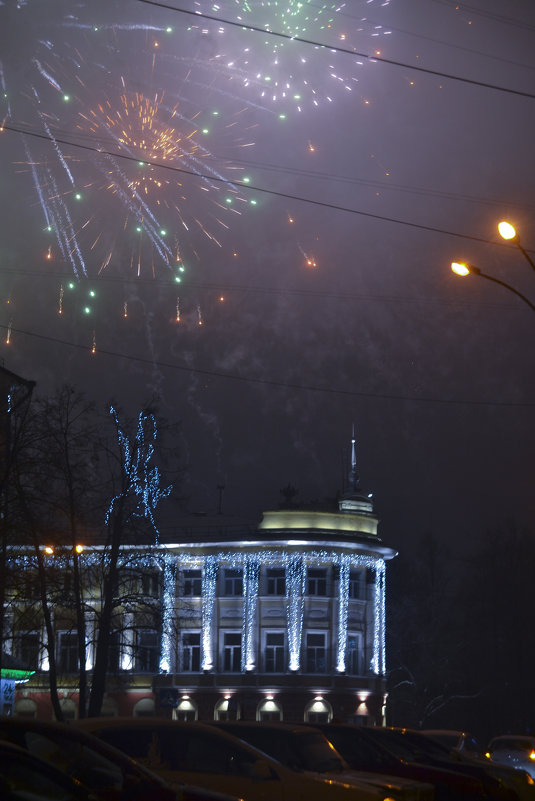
point(315, 652)
point(191, 651)
point(317, 582)
point(356, 584)
point(274, 652)
point(67, 652)
point(114, 652)
point(147, 651)
point(192, 582)
point(150, 585)
point(232, 652)
point(27, 649)
point(233, 582)
point(275, 581)
point(354, 655)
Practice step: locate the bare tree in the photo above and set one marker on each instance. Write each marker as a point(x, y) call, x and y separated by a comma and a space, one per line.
point(84, 478)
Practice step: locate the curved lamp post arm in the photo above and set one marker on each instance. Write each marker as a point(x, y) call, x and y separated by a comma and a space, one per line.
point(476, 271)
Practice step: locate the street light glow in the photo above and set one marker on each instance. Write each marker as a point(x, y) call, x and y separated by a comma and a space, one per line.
point(507, 231)
point(460, 268)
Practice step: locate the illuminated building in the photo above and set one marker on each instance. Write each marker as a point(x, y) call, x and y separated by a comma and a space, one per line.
point(284, 620)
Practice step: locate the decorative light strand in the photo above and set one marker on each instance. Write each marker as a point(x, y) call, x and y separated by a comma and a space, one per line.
point(251, 570)
point(296, 572)
point(378, 659)
point(295, 564)
point(168, 600)
point(209, 577)
point(343, 603)
point(142, 480)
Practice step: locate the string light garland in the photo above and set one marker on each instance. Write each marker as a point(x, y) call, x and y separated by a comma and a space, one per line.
point(141, 479)
point(295, 564)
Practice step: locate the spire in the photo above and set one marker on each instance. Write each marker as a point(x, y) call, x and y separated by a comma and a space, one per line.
point(353, 500)
point(353, 475)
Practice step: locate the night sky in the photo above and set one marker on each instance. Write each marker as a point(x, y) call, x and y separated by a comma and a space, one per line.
point(291, 320)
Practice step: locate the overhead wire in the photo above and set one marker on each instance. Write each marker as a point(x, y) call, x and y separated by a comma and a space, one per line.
point(337, 49)
point(250, 187)
point(330, 390)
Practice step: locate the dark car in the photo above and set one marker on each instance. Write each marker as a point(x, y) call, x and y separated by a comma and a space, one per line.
point(306, 750)
point(198, 752)
point(464, 747)
point(102, 769)
point(429, 752)
point(368, 748)
point(24, 777)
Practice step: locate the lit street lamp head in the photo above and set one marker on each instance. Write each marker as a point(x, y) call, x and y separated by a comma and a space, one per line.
point(462, 268)
point(507, 231)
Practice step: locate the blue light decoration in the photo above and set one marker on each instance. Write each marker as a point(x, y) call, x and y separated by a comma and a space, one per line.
point(343, 603)
point(142, 479)
point(296, 576)
point(209, 577)
point(251, 569)
point(378, 663)
point(168, 600)
point(295, 563)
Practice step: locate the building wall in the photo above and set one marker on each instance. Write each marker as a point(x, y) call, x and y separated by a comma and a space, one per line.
point(325, 607)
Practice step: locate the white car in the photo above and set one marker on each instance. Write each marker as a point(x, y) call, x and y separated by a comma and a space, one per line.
point(199, 754)
point(517, 751)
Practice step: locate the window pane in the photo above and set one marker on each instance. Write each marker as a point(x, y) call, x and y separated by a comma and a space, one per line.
point(192, 582)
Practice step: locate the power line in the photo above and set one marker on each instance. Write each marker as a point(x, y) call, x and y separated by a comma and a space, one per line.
point(338, 49)
point(269, 383)
point(249, 187)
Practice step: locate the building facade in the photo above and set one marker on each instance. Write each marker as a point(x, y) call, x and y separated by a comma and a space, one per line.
point(283, 621)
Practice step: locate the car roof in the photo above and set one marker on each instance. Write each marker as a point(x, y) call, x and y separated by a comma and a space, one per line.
point(96, 724)
point(264, 724)
point(73, 732)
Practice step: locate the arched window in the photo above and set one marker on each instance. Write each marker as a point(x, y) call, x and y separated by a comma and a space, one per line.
point(109, 708)
point(227, 709)
point(268, 709)
point(144, 708)
point(68, 709)
point(25, 708)
point(186, 710)
point(318, 711)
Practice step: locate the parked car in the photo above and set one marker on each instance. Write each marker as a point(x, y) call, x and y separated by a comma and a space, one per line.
point(427, 751)
point(461, 742)
point(307, 750)
point(88, 761)
point(465, 747)
point(517, 751)
point(200, 753)
point(370, 748)
point(24, 777)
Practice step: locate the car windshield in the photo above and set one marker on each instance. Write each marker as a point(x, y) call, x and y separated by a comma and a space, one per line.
point(511, 744)
point(356, 749)
point(425, 744)
point(296, 750)
point(398, 746)
point(69, 755)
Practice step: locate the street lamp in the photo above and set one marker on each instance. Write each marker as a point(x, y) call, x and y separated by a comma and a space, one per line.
point(508, 231)
point(463, 268)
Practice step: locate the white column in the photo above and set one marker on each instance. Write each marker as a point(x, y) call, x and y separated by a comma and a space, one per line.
point(251, 569)
point(378, 660)
point(295, 603)
point(168, 611)
point(209, 577)
point(343, 600)
point(127, 642)
point(89, 641)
